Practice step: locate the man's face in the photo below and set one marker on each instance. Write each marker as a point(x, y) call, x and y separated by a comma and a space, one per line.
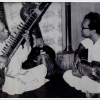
point(3, 32)
point(86, 32)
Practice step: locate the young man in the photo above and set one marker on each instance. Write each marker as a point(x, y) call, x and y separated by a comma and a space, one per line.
point(91, 31)
point(18, 80)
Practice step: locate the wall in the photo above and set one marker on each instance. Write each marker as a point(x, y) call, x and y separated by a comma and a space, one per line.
point(51, 27)
point(12, 11)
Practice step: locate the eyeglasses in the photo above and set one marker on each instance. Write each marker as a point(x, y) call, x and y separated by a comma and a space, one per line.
point(84, 28)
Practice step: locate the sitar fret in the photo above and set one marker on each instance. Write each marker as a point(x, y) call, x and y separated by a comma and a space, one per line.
point(12, 44)
point(1, 9)
point(29, 22)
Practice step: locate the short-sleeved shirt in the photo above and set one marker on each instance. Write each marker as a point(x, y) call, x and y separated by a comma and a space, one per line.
point(93, 49)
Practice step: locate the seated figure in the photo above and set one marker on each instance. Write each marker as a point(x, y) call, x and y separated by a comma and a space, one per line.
point(84, 79)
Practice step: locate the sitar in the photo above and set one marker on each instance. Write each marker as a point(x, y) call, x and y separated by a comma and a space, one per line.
point(14, 41)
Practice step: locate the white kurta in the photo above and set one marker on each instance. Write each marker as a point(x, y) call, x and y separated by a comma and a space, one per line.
point(18, 80)
point(85, 83)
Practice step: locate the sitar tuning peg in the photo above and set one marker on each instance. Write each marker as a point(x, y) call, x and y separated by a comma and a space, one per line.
point(15, 32)
point(18, 28)
point(12, 37)
point(21, 23)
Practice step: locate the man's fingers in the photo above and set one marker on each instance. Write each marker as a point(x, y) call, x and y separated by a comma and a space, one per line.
point(26, 31)
point(79, 60)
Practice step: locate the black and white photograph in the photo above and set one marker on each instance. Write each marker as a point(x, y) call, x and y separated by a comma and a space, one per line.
point(49, 49)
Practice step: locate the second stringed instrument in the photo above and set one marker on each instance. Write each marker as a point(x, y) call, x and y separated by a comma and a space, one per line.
point(85, 68)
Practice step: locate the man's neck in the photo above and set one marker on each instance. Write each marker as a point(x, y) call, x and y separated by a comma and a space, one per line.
point(95, 38)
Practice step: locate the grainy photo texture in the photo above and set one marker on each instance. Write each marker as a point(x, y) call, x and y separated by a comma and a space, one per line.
point(49, 49)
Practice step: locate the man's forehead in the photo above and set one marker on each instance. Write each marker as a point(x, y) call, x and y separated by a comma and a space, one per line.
point(85, 22)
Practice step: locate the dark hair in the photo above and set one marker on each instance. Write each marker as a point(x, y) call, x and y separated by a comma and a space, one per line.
point(94, 21)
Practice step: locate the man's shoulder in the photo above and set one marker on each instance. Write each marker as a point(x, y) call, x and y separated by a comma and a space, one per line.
point(87, 42)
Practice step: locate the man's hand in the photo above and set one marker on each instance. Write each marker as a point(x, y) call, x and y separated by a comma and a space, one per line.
point(76, 61)
point(3, 61)
point(27, 38)
point(78, 51)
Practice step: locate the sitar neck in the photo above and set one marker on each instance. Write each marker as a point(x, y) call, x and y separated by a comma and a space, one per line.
point(10, 50)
